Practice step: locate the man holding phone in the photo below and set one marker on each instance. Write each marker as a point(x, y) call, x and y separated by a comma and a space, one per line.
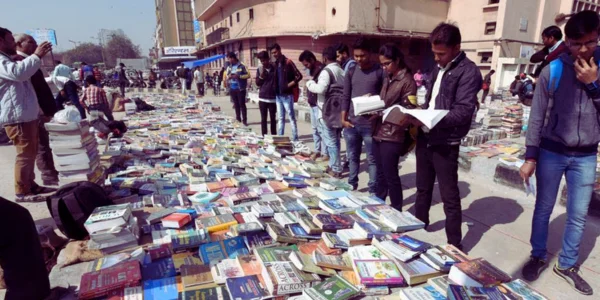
point(563, 136)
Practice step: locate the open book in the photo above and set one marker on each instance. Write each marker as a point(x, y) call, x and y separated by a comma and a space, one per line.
point(429, 118)
point(364, 105)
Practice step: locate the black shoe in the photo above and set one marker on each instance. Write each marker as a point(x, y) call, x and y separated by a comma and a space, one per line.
point(572, 275)
point(532, 269)
point(334, 174)
point(355, 187)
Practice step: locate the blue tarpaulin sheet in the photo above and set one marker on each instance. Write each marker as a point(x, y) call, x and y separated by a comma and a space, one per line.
point(201, 62)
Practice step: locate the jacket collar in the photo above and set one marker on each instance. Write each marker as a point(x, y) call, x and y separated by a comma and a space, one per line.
point(398, 76)
point(455, 62)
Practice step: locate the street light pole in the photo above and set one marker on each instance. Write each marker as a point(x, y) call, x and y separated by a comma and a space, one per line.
point(101, 48)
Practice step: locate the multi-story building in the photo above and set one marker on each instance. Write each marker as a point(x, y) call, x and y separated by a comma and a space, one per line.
point(503, 34)
point(174, 36)
point(249, 26)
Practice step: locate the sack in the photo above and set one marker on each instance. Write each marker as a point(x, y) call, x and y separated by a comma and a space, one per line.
point(527, 90)
point(68, 115)
point(332, 108)
point(72, 205)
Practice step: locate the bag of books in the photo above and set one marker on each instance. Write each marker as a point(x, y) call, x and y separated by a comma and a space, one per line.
point(73, 203)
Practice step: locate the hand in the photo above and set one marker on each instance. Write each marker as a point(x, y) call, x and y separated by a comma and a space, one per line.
point(291, 84)
point(367, 95)
point(586, 72)
point(347, 124)
point(43, 49)
point(527, 170)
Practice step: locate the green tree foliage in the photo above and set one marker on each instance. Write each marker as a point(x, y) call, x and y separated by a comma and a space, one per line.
point(87, 52)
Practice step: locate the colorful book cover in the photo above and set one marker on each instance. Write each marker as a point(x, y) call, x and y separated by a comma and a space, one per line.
point(333, 240)
point(457, 292)
point(274, 254)
point(333, 288)
point(215, 293)
point(161, 289)
point(250, 264)
point(299, 232)
point(158, 269)
point(378, 272)
point(412, 243)
point(333, 222)
point(186, 258)
point(214, 252)
point(423, 292)
point(518, 289)
point(246, 288)
point(188, 240)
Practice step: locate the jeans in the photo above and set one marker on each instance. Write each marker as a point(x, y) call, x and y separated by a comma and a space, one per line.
point(104, 109)
point(387, 156)
point(317, 130)
point(268, 109)
point(25, 138)
point(44, 159)
point(238, 98)
point(21, 255)
point(580, 173)
point(331, 138)
point(73, 96)
point(285, 103)
point(355, 137)
point(183, 83)
point(440, 161)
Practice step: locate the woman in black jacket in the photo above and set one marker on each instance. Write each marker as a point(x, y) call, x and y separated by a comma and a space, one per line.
point(265, 79)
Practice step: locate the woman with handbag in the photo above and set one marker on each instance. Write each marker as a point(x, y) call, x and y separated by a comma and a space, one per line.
point(393, 140)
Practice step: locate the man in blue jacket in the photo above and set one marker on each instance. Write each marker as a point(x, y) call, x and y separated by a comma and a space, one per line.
point(562, 139)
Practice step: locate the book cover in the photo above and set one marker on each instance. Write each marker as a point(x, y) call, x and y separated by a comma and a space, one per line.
point(332, 240)
point(194, 276)
point(280, 233)
point(215, 293)
point(305, 263)
point(160, 251)
point(334, 206)
point(99, 283)
point(412, 243)
point(188, 240)
point(417, 271)
point(333, 222)
point(246, 288)
point(185, 258)
point(518, 289)
point(440, 284)
point(481, 271)
point(250, 264)
point(423, 292)
point(299, 233)
point(337, 262)
point(457, 292)
point(161, 289)
point(214, 252)
point(282, 278)
point(378, 272)
point(333, 288)
point(274, 254)
point(258, 239)
point(161, 268)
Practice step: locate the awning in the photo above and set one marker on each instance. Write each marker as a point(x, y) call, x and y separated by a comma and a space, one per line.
point(201, 62)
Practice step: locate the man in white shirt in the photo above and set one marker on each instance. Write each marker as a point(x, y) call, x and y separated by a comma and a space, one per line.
point(199, 78)
point(331, 136)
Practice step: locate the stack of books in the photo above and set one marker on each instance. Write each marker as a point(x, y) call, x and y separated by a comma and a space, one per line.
point(282, 145)
point(112, 228)
point(492, 119)
point(512, 122)
point(75, 152)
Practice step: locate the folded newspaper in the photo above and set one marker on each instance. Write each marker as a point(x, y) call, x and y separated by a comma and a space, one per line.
point(429, 118)
point(367, 104)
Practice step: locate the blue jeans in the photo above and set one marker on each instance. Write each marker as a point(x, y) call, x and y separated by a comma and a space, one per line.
point(331, 138)
point(317, 130)
point(354, 139)
point(580, 172)
point(285, 103)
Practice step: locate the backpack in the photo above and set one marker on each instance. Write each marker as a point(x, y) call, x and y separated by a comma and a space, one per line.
point(72, 205)
point(527, 90)
point(332, 108)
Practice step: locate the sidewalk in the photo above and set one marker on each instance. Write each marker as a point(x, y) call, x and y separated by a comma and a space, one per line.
point(500, 217)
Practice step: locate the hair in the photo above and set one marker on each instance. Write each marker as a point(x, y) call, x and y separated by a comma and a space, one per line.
point(58, 62)
point(517, 77)
point(392, 52)
point(492, 71)
point(122, 64)
point(307, 56)
point(446, 34)
point(91, 79)
point(342, 48)
point(83, 63)
point(262, 55)
point(582, 23)
point(362, 43)
point(4, 32)
point(553, 31)
point(275, 46)
point(329, 53)
point(231, 55)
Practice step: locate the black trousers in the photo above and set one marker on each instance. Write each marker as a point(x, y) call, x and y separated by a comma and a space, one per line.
point(200, 87)
point(485, 93)
point(440, 161)
point(238, 98)
point(44, 160)
point(21, 254)
point(387, 158)
point(122, 86)
point(71, 91)
point(268, 110)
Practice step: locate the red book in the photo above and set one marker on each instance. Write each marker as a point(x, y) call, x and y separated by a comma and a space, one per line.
point(100, 283)
point(239, 218)
point(160, 251)
point(176, 220)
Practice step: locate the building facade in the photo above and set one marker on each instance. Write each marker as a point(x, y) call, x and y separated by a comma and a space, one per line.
point(247, 27)
point(174, 35)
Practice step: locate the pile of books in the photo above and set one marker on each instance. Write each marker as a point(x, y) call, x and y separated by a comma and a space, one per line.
point(225, 218)
point(112, 228)
point(512, 122)
point(282, 145)
point(492, 119)
point(75, 152)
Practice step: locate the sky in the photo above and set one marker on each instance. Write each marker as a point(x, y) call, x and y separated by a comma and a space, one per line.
point(80, 20)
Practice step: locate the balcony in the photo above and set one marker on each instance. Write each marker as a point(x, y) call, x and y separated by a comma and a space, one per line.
point(207, 8)
point(217, 36)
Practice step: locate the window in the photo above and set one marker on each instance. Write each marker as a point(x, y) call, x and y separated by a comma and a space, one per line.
point(494, 2)
point(486, 57)
point(253, 58)
point(252, 14)
point(230, 20)
point(237, 16)
point(490, 28)
point(241, 52)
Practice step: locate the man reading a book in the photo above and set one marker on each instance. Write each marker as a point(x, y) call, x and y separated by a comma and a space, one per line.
point(437, 149)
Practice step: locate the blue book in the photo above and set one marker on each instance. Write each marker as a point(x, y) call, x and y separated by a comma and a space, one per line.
point(192, 212)
point(161, 289)
point(299, 232)
point(246, 288)
point(215, 252)
point(162, 268)
point(412, 244)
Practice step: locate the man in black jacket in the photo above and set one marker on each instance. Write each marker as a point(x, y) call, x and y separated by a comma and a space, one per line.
point(454, 87)
point(26, 46)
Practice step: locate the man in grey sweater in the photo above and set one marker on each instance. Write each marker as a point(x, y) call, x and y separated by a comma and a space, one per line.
point(366, 78)
point(563, 136)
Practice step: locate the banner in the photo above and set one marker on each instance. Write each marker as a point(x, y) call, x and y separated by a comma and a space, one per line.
point(43, 35)
point(179, 50)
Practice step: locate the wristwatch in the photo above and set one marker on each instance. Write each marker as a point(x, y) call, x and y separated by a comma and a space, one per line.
point(592, 86)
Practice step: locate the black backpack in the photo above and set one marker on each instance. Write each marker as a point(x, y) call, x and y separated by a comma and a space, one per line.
point(332, 108)
point(72, 205)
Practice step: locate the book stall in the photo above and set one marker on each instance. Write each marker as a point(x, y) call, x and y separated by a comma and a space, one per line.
point(207, 209)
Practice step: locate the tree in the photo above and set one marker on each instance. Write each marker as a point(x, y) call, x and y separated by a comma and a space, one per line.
point(85, 52)
point(120, 46)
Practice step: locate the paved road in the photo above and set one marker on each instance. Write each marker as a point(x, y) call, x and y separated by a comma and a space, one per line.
point(498, 218)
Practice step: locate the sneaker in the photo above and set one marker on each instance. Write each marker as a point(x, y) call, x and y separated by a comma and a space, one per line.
point(355, 187)
point(572, 275)
point(532, 269)
point(38, 190)
point(315, 155)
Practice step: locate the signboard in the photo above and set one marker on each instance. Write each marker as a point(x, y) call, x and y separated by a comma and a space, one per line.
point(197, 32)
point(527, 51)
point(43, 35)
point(179, 50)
